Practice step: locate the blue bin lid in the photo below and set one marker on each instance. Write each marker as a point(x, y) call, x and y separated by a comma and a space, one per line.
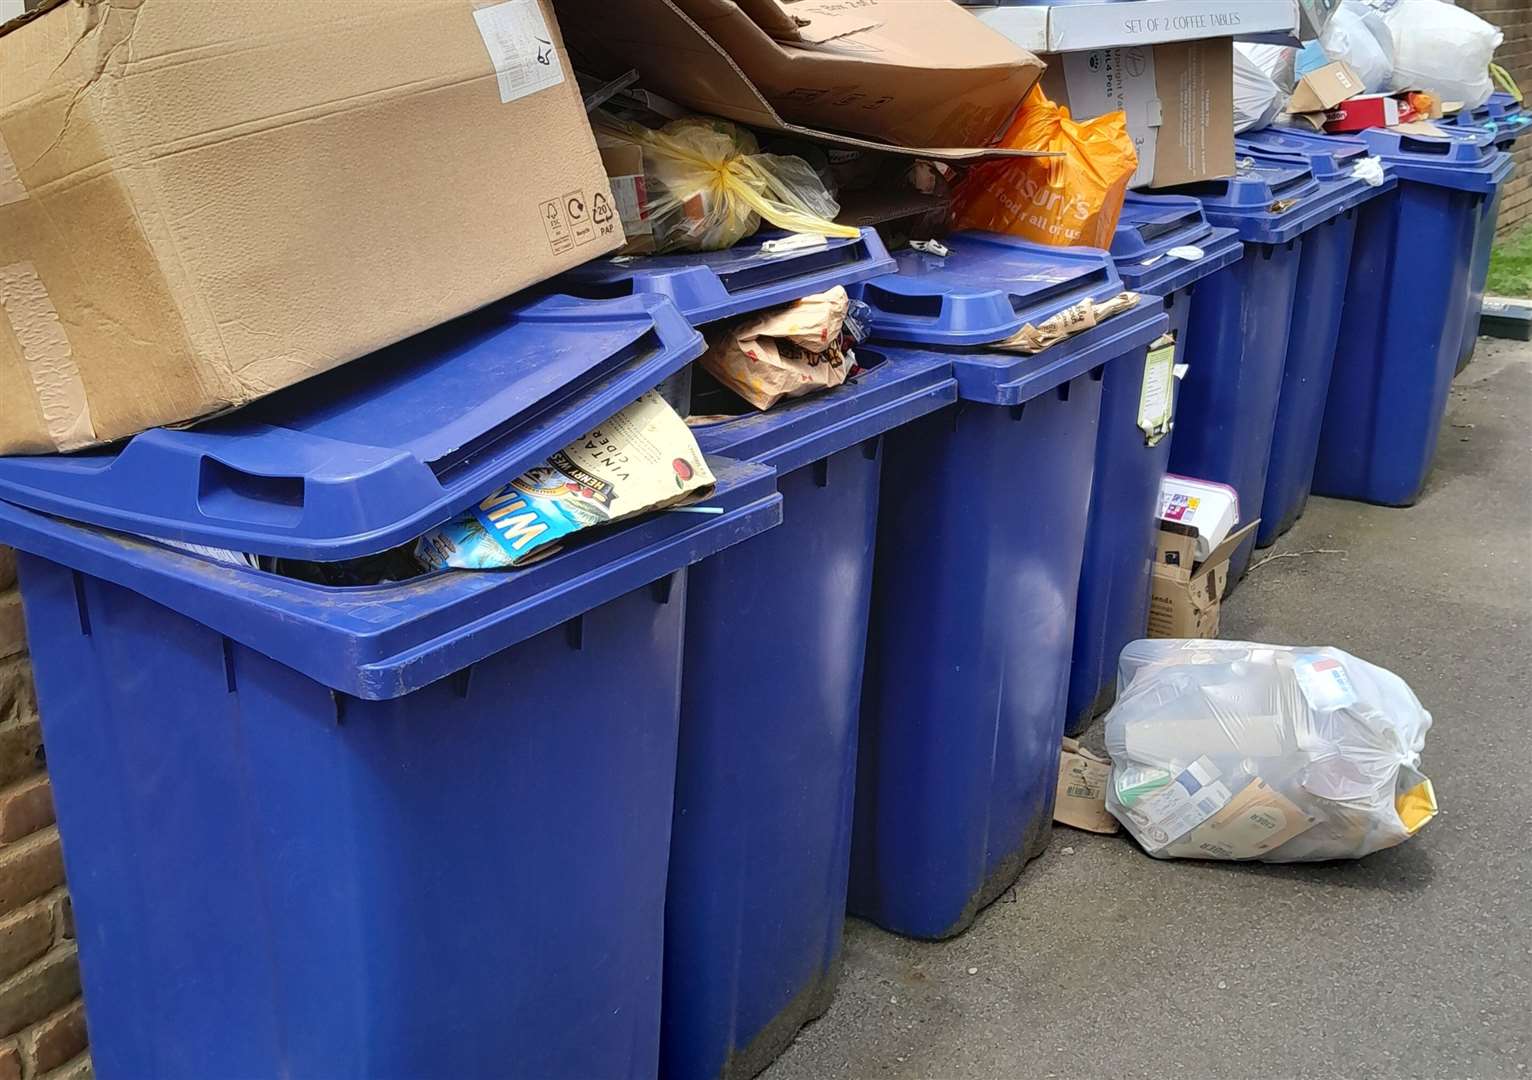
point(889, 392)
point(1268, 201)
point(709, 285)
point(992, 377)
point(371, 454)
point(1327, 158)
point(1151, 226)
point(986, 288)
point(1504, 130)
point(382, 641)
point(1465, 159)
point(1337, 184)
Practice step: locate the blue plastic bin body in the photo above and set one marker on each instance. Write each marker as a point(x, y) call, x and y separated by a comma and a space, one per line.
point(1506, 129)
point(981, 534)
point(772, 683)
point(371, 832)
point(1117, 570)
point(1324, 271)
point(1402, 328)
point(1239, 331)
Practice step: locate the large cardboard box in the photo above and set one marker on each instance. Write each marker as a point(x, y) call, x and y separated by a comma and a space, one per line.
point(1178, 99)
point(921, 75)
point(202, 202)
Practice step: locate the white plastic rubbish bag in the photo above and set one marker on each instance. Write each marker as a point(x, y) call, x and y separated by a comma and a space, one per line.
point(1358, 35)
point(1257, 100)
point(1277, 62)
point(1234, 750)
point(1442, 48)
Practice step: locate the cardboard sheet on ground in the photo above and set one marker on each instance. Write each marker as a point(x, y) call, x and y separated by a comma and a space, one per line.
point(641, 459)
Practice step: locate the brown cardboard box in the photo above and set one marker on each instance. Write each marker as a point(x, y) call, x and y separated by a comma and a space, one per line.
point(1080, 796)
point(1178, 98)
point(201, 203)
point(1186, 597)
point(896, 74)
point(1326, 87)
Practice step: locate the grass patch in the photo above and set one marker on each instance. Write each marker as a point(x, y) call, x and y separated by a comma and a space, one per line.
point(1510, 268)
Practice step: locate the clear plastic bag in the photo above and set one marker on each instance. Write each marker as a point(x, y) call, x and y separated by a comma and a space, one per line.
point(1443, 49)
point(1236, 750)
point(709, 186)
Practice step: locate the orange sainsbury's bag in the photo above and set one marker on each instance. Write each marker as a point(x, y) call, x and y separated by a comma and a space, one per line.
point(1070, 200)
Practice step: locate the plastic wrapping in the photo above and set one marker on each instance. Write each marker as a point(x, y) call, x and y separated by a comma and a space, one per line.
point(1257, 100)
point(708, 185)
point(1277, 62)
point(1358, 35)
point(1236, 750)
point(1443, 49)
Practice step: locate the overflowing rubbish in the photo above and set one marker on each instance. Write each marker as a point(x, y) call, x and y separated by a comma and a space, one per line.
point(790, 351)
point(1358, 36)
point(1257, 99)
point(641, 459)
point(1442, 48)
point(1237, 750)
point(707, 185)
point(1073, 198)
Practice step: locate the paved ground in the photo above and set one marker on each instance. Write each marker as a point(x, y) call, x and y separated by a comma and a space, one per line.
point(1416, 962)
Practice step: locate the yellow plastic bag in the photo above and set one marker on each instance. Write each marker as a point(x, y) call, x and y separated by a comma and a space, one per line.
point(708, 185)
point(1071, 200)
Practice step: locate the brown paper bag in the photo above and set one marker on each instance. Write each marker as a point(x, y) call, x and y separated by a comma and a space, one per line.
point(786, 352)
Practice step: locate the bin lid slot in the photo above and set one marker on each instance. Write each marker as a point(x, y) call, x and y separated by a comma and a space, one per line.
point(983, 290)
point(1153, 224)
point(709, 285)
point(369, 455)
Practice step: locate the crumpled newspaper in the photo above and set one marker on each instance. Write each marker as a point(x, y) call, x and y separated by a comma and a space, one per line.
point(787, 352)
point(1076, 319)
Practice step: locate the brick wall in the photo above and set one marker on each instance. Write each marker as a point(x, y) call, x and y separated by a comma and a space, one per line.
point(1514, 17)
point(42, 1021)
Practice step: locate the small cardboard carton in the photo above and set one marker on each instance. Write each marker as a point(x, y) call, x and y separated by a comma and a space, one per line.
point(1187, 594)
point(1368, 111)
point(1177, 97)
point(203, 203)
point(1080, 801)
point(922, 76)
point(1324, 88)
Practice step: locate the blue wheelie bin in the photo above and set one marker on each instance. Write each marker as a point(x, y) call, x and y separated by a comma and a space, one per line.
point(416, 828)
point(1403, 324)
point(980, 539)
point(1324, 270)
point(772, 679)
point(1505, 128)
point(1116, 575)
point(1238, 335)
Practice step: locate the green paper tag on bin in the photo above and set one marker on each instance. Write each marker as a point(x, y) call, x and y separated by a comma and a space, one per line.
point(1156, 400)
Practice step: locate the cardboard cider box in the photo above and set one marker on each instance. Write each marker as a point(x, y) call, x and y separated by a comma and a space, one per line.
point(1186, 594)
point(1178, 98)
point(201, 203)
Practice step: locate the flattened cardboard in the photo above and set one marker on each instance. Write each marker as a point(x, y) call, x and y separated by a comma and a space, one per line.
point(1080, 801)
point(1178, 99)
point(924, 77)
point(1326, 87)
point(253, 193)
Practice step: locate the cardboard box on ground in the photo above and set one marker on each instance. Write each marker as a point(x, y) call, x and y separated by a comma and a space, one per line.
point(1178, 99)
point(203, 203)
point(1187, 595)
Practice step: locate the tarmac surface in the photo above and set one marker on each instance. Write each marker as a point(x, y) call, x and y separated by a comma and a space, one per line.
point(1415, 962)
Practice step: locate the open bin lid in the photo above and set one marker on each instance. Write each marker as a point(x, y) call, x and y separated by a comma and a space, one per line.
point(1152, 226)
point(710, 285)
point(382, 641)
point(371, 454)
point(985, 288)
point(1465, 159)
point(1269, 202)
point(890, 391)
